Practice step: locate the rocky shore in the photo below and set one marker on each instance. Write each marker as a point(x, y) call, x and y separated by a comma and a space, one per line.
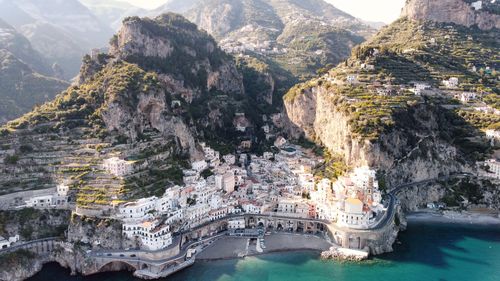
point(343, 254)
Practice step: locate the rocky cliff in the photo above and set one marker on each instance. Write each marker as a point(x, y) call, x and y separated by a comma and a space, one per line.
point(365, 109)
point(412, 151)
point(163, 85)
point(455, 11)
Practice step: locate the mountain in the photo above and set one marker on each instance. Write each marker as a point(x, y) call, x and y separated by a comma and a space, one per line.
point(291, 40)
point(300, 36)
point(392, 106)
point(112, 12)
point(163, 87)
point(375, 24)
point(24, 75)
point(19, 46)
point(174, 6)
point(60, 30)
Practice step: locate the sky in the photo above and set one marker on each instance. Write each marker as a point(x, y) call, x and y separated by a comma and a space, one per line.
point(371, 10)
point(147, 4)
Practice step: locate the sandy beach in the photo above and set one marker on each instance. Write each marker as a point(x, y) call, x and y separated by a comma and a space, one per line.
point(468, 217)
point(234, 247)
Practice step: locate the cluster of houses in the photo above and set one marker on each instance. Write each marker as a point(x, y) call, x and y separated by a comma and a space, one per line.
point(278, 184)
point(242, 45)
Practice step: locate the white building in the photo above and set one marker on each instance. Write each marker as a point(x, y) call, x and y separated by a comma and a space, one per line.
point(151, 234)
point(229, 159)
point(268, 155)
point(4, 243)
point(62, 190)
point(199, 165)
point(451, 83)
point(47, 201)
point(197, 214)
point(351, 79)
point(465, 97)
point(279, 142)
point(118, 167)
point(493, 167)
point(137, 209)
point(478, 5)
point(493, 135)
point(367, 66)
point(225, 182)
point(353, 215)
point(236, 223)
point(420, 88)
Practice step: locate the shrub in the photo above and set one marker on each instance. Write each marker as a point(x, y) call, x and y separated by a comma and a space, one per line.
point(11, 159)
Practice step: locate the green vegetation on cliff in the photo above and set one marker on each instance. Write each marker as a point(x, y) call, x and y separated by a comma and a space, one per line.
point(83, 105)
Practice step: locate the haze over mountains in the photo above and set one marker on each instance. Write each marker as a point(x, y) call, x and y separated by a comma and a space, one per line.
point(291, 39)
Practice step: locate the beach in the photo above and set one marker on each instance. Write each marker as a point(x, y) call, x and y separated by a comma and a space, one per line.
point(466, 217)
point(235, 247)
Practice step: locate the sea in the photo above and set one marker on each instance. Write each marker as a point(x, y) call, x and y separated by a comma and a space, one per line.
point(425, 251)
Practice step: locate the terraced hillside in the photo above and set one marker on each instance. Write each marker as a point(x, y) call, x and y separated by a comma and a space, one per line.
point(183, 86)
point(414, 101)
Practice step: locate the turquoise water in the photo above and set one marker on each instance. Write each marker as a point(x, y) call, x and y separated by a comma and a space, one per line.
point(428, 251)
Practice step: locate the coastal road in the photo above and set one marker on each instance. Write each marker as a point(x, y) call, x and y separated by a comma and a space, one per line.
point(132, 255)
point(395, 190)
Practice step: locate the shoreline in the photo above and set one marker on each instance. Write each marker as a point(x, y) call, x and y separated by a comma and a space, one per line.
point(261, 254)
point(453, 217)
point(293, 242)
point(229, 248)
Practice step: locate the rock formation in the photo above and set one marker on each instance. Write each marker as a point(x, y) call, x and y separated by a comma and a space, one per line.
point(453, 11)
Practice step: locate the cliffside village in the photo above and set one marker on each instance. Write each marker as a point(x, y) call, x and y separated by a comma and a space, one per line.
point(451, 88)
point(280, 184)
point(277, 184)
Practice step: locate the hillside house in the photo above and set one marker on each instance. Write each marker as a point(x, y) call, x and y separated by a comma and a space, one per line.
point(478, 5)
point(118, 167)
point(493, 136)
point(352, 79)
point(451, 83)
point(493, 168)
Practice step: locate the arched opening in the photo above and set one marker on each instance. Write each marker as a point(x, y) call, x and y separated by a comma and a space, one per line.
point(280, 226)
point(261, 225)
point(300, 226)
point(117, 266)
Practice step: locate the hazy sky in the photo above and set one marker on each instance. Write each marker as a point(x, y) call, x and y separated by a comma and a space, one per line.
point(372, 10)
point(148, 4)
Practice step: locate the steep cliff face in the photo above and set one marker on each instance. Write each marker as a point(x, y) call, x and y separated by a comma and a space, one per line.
point(412, 151)
point(105, 233)
point(173, 46)
point(454, 11)
point(368, 110)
